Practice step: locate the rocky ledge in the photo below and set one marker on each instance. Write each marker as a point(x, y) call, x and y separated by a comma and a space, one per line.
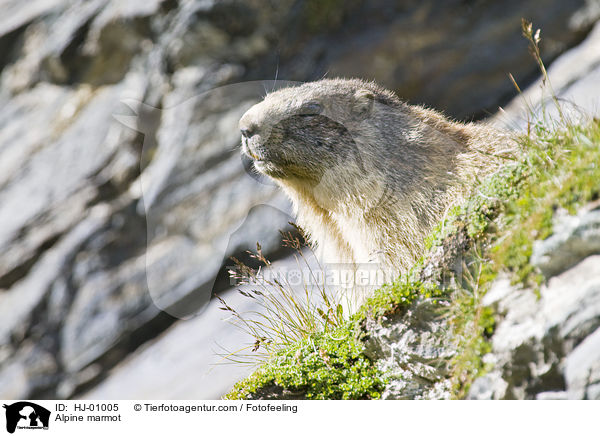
point(546, 344)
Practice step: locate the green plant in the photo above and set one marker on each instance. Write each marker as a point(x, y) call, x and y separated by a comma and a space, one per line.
point(323, 366)
point(284, 315)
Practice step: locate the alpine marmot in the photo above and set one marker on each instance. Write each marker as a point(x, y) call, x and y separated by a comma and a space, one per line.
point(368, 174)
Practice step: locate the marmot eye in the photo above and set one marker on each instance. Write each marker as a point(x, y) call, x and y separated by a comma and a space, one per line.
point(310, 108)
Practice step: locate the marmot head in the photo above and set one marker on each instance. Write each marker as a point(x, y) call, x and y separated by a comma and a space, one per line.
point(301, 132)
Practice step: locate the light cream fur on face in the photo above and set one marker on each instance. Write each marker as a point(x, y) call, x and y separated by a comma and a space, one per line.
point(368, 175)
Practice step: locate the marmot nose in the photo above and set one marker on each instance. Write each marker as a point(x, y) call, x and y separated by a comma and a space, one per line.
point(247, 132)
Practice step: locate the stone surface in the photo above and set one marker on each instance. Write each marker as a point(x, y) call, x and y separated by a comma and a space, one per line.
point(414, 55)
point(582, 369)
point(183, 363)
point(188, 356)
point(414, 349)
point(536, 343)
point(573, 239)
point(546, 348)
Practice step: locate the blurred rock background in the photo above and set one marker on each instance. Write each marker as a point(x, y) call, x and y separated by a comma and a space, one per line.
point(122, 192)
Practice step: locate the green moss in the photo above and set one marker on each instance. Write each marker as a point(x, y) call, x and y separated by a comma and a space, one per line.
point(396, 296)
point(559, 170)
point(327, 366)
point(334, 366)
point(472, 325)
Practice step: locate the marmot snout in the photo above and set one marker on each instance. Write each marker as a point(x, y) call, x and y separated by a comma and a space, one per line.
point(299, 132)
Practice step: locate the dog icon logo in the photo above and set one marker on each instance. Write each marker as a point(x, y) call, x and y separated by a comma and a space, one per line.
point(26, 415)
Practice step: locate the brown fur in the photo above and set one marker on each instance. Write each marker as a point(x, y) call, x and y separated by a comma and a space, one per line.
point(368, 174)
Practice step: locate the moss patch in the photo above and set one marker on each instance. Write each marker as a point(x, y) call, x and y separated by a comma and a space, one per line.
point(558, 169)
point(334, 365)
point(327, 366)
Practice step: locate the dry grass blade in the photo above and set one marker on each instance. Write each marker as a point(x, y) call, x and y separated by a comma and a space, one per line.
point(284, 314)
point(534, 48)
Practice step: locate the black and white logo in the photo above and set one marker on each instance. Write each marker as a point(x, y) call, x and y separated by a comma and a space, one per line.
point(26, 415)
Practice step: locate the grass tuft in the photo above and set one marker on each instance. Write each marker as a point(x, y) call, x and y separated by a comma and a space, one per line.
point(284, 315)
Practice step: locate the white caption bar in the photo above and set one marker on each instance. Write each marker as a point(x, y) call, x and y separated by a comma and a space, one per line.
point(144, 417)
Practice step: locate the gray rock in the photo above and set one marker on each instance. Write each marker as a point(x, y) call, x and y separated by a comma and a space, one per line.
point(535, 337)
point(574, 238)
point(412, 54)
point(200, 189)
point(50, 45)
point(18, 303)
point(414, 349)
point(558, 395)
point(488, 387)
point(15, 15)
point(34, 367)
point(582, 369)
point(188, 356)
point(35, 212)
point(31, 369)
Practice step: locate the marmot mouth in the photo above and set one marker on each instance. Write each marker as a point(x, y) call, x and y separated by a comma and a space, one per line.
point(265, 161)
point(258, 159)
point(260, 156)
point(269, 165)
point(251, 154)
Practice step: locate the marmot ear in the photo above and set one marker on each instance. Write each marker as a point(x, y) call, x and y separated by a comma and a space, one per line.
point(363, 102)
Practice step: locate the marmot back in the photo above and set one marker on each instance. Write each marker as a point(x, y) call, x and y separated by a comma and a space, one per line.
point(368, 175)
